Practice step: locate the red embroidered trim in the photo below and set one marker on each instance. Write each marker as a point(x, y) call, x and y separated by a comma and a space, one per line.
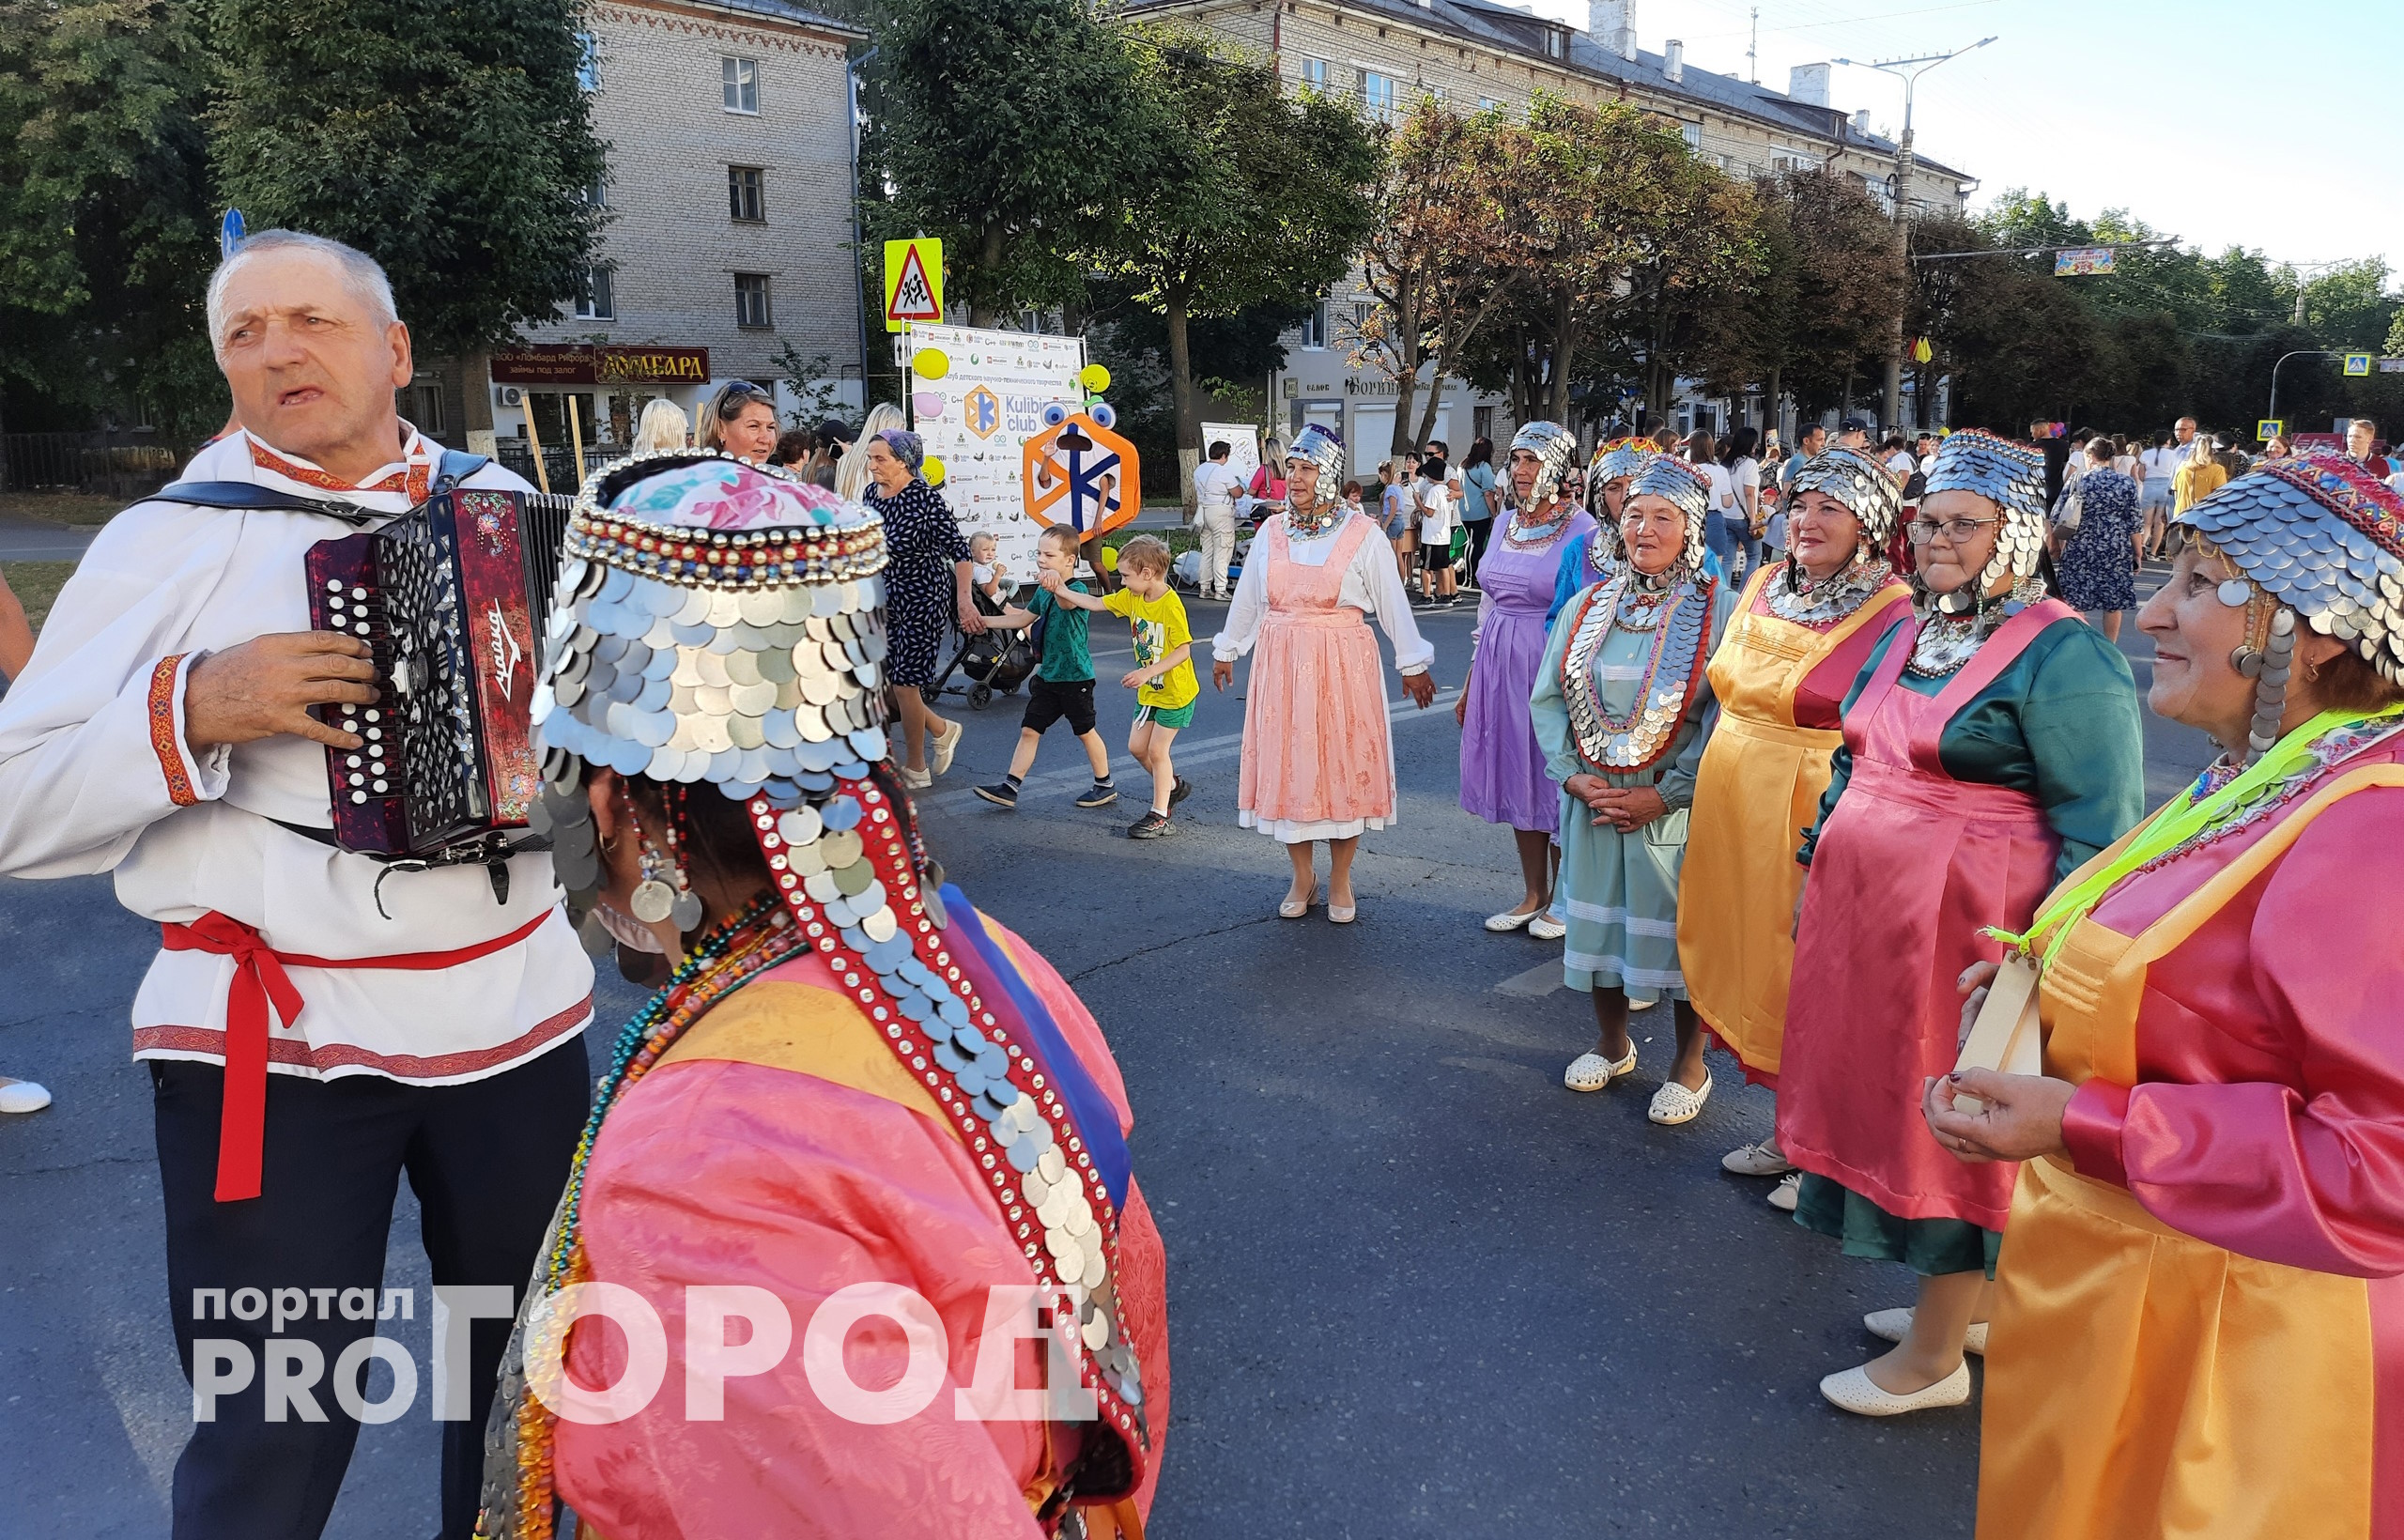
point(163, 732)
point(343, 1056)
point(415, 480)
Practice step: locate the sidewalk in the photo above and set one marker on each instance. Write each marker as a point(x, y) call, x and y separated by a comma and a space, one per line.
point(39, 540)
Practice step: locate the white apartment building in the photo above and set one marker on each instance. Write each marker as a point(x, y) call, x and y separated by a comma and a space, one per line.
point(730, 136)
point(1474, 54)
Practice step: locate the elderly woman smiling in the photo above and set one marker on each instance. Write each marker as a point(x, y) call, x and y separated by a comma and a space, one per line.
point(2199, 1311)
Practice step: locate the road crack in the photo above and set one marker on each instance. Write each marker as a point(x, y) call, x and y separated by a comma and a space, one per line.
point(1083, 974)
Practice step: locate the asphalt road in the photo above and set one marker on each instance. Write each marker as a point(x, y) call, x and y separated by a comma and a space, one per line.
point(1416, 1287)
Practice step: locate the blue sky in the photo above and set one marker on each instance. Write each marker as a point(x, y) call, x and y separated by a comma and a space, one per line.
point(2276, 126)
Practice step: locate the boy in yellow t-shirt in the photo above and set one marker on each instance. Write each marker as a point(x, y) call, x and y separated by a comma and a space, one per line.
point(1162, 678)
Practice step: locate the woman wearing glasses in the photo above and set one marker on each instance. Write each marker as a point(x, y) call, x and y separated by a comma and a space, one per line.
point(1992, 744)
point(741, 421)
point(1623, 710)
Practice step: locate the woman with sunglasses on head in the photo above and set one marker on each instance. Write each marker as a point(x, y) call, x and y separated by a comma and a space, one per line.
point(1992, 744)
point(742, 422)
point(928, 586)
point(2197, 1321)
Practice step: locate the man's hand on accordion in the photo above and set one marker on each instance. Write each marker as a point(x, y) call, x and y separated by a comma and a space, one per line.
point(266, 686)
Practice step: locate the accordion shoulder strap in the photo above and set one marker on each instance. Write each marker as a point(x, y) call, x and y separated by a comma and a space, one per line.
point(454, 468)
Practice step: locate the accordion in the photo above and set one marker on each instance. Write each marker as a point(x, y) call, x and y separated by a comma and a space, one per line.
point(452, 599)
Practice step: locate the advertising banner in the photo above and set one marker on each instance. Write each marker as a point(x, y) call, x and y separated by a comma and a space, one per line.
point(976, 398)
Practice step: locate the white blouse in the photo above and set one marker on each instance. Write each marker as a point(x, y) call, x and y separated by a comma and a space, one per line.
point(95, 775)
point(1371, 585)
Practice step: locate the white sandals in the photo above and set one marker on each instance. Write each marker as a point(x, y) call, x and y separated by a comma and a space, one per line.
point(1592, 1072)
point(1546, 928)
point(1856, 1392)
point(1673, 1103)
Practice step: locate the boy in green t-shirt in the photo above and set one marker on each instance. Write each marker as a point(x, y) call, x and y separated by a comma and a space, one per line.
point(1063, 682)
point(1162, 678)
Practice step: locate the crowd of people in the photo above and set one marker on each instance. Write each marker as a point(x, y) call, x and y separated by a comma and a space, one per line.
point(1817, 747)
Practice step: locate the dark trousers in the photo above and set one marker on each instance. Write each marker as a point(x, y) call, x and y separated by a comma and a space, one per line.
point(487, 1161)
point(1480, 532)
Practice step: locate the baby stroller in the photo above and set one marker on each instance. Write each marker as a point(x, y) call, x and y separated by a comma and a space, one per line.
point(995, 661)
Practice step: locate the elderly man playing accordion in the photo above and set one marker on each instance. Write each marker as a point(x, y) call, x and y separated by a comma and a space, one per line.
point(316, 1024)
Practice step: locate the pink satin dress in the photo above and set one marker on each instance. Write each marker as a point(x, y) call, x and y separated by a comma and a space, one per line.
point(1318, 754)
point(1910, 868)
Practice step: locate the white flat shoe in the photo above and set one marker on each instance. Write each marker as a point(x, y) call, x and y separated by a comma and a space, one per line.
point(1509, 920)
point(1856, 1392)
point(945, 745)
point(1784, 1197)
point(1639, 1002)
point(1592, 1072)
point(1673, 1103)
point(1892, 1326)
point(22, 1096)
point(1761, 1160)
point(1546, 928)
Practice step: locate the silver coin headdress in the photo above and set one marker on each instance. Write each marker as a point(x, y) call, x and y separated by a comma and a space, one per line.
point(1666, 476)
point(1555, 449)
point(2012, 476)
point(714, 623)
point(2319, 540)
point(1861, 481)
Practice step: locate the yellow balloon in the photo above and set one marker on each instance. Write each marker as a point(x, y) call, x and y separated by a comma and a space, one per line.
point(1110, 559)
point(930, 364)
point(932, 470)
point(1093, 377)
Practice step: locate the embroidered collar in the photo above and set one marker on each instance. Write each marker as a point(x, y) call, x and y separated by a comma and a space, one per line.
point(412, 475)
point(1525, 534)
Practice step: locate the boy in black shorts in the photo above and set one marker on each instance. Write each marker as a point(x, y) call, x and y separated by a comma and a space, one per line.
point(1063, 682)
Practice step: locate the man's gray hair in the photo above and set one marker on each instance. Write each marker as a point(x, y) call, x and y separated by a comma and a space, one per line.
point(360, 274)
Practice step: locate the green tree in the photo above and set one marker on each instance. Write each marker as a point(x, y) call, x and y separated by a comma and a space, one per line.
point(1014, 132)
point(452, 142)
point(1256, 198)
point(104, 222)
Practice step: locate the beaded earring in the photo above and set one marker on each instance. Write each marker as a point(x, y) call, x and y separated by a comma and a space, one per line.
point(664, 892)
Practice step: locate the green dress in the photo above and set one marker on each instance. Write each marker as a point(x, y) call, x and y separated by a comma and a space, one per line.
point(2061, 724)
point(1618, 892)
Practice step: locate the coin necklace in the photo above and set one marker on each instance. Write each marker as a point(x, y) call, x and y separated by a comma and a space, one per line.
point(1526, 535)
point(1322, 517)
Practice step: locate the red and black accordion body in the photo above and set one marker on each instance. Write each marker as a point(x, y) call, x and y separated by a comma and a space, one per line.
point(452, 598)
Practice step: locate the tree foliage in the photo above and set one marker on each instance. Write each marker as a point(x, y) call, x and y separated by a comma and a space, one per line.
point(452, 142)
point(104, 222)
point(1017, 133)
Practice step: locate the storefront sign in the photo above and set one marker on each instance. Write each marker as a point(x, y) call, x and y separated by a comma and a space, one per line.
point(584, 363)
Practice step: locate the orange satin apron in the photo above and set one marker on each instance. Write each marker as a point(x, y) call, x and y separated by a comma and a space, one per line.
point(2141, 1383)
point(1758, 790)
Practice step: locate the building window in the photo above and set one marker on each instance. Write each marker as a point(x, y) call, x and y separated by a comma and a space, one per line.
point(1692, 133)
point(588, 61)
point(594, 300)
point(425, 409)
point(751, 300)
point(1555, 41)
point(1314, 75)
point(1315, 326)
point(745, 200)
point(1487, 104)
point(1380, 96)
point(741, 78)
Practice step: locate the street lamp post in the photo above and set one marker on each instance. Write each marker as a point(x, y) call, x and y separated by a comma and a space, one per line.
point(1908, 71)
point(2300, 353)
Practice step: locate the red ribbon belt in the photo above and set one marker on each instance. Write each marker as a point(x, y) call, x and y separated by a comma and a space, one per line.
point(259, 981)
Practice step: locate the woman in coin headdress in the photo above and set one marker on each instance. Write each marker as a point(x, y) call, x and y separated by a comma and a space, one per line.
point(2197, 1318)
point(928, 587)
point(1801, 632)
point(1317, 747)
point(1503, 773)
point(1624, 709)
point(1590, 557)
point(1990, 744)
point(853, 1081)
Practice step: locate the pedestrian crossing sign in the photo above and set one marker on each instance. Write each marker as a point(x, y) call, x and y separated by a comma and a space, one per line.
point(2358, 364)
point(2270, 428)
point(913, 282)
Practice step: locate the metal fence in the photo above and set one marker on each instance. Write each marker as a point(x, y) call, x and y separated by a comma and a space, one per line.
point(558, 462)
point(98, 463)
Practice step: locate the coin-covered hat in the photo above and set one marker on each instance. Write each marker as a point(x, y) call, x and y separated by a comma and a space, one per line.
point(713, 621)
point(1620, 459)
point(1554, 448)
point(1859, 480)
point(1324, 448)
point(1666, 476)
point(2010, 475)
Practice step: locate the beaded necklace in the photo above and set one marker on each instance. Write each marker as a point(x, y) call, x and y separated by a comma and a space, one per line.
point(1526, 535)
point(1322, 517)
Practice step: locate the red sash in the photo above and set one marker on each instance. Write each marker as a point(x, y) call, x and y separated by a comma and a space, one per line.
point(260, 980)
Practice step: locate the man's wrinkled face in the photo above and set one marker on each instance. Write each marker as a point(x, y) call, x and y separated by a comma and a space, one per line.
point(310, 366)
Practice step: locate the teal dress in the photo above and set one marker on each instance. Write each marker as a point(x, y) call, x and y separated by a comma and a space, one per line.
point(1618, 892)
point(2061, 724)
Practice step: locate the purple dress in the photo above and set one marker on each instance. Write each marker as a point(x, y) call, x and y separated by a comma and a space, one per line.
point(1502, 779)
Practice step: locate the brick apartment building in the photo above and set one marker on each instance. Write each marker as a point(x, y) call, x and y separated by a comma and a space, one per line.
point(1386, 55)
